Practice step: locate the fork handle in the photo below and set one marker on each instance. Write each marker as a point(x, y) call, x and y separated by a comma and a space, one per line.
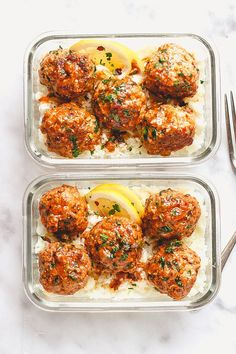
point(227, 250)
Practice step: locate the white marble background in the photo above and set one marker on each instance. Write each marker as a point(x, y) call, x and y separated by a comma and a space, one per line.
point(25, 329)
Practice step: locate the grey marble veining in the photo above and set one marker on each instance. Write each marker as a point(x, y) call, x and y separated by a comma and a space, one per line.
point(24, 328)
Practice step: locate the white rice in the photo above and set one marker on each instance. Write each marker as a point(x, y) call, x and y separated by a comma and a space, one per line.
point(132, 148)
point(99, 289)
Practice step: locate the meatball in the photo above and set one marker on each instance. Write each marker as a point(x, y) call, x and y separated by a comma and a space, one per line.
point(173, 269)
point(63, 210)
point(119, 104)
point(66, 73)
point(115, 244)
point(170, 214)
point(70, 130)
point(63, 268)
point(166, 128)
point(171, 72)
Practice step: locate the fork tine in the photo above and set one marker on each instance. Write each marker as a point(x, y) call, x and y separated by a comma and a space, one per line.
point(233, 112)
point(228, 127)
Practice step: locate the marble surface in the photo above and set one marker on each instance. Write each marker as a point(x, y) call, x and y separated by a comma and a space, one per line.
point(24, 328)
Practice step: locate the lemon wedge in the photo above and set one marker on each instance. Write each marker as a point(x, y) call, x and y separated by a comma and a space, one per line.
point(114, 56)
point(115, 199)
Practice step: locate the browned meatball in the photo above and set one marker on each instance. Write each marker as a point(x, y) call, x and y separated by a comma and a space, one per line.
point(63, 268)
point(166, 128)
point(170, 214)
point(63, 210)
point(119, 104)
point(115, 244)
point(70, 130)
point(173, 269)
point(172, 71)
point(66, 73)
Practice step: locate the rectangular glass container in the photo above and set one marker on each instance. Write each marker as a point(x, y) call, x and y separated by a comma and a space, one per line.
point(54, 302)
point(211, 101)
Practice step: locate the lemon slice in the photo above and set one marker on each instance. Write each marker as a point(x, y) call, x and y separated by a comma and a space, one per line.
point(114, 56)
point(133, 198)
point(108, 201)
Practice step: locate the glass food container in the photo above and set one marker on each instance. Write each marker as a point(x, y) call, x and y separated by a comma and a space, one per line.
point(207, 133)
point(209, 233)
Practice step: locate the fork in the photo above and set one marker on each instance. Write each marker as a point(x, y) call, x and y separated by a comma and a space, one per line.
point(230, 116)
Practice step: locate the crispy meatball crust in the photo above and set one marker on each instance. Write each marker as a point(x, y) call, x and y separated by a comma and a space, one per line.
point(63, 210)
point(173, 269)
point(172, 72)
point(119, 104)
point(170, 214)
point(66, 73)
point(70, 130)
point(115, 244)
point(166, 128)
point(63, 268)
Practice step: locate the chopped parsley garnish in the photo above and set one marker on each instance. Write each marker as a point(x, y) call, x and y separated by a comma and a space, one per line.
point(53, 265)
point(113, 251)
point(172, 245)
point(117, 234)
point(115, 117)
point(73, 277)
point(56, 280)
point(124, 257)
point(108, 98)
point(176, 243)
point(166, 229)
point(165, 278)
point(104, 238)
point(145, 133)
point(162, 262)
point(179, 282)
point(188, 227)
point(161, 61)
point(91, 152)
point(154, 133)
point(96, 128)
point(128, 265)
point(169, 249)
point(201, 81)
point(176, 82)
point(126, 112)
point(176, 265)
point(75, 150)
point(175, 212)
point(115, 208)
point(101, 63)
point(181, 74)
point(108, 56)
point(125, 245)
point(105, 81)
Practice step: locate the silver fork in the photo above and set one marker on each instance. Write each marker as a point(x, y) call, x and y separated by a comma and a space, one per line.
point(230, 116)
